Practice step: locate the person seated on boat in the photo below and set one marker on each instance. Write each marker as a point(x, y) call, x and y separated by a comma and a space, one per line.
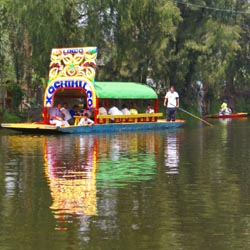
point(84, 109)
point(224, 109)
point(102, 110)
point(88, 111)
point(114, 111)
point(85, 120)
point(57, 117)
point(125, 110)
point(74, 111)
point(149, 110)
point(133, 110)
point(67, 115)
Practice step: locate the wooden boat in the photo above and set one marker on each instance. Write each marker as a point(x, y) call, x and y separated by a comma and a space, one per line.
point(233, 115)
point(34, 128)
point(72, 77)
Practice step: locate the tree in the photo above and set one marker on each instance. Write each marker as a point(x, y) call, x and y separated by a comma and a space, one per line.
point(34, 28)
point(207, 42)
point(143, 31)
point(172, 42)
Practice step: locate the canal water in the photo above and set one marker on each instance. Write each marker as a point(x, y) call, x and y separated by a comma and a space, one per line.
point(180, 189)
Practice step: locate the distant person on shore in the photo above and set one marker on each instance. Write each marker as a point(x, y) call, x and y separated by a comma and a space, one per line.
point(172, 102)
point(57, 117)
point(224, 109)
point(66, 114)
point(149, 110)
point(86, 121)
point(125, 110)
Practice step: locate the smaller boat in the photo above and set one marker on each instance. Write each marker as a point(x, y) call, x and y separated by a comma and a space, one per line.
point(233, 115)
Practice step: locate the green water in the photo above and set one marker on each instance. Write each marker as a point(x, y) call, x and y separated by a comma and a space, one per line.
point(181, 189)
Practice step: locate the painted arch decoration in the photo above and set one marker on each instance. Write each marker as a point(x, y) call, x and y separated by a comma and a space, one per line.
point(72, 68)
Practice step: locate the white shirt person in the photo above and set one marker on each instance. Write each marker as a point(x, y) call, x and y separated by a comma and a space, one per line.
point(57, 117)
point(67, 115)
point(114, 111)
point(125, 110)
point(149, 110)
point(85, 121)
point(172, 102)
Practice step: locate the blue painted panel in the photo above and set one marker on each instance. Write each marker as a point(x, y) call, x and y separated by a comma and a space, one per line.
point(121, 127)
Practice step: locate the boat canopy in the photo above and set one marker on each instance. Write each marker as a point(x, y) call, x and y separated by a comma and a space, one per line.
point(123, 90)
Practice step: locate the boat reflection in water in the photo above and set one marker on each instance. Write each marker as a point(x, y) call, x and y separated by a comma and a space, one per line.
point(224, 129)
point(70, 166)
point(125, 158)
point(172, 143)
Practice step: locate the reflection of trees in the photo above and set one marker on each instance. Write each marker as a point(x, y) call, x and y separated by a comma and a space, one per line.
point(24, 199)
point(210, 190)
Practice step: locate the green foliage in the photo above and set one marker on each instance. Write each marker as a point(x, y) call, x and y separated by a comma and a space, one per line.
point(242, 105)
point(16, 94)
point(10, 117)
point(143, 39)
point(169, 42)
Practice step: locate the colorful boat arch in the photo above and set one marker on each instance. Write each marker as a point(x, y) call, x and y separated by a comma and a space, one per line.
point(74, 83)
point(71, 69)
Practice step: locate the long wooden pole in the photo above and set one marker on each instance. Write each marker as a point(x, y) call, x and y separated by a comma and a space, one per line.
point(185, 111)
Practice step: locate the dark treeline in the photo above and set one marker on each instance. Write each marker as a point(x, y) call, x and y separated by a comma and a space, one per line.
point(201, 47)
